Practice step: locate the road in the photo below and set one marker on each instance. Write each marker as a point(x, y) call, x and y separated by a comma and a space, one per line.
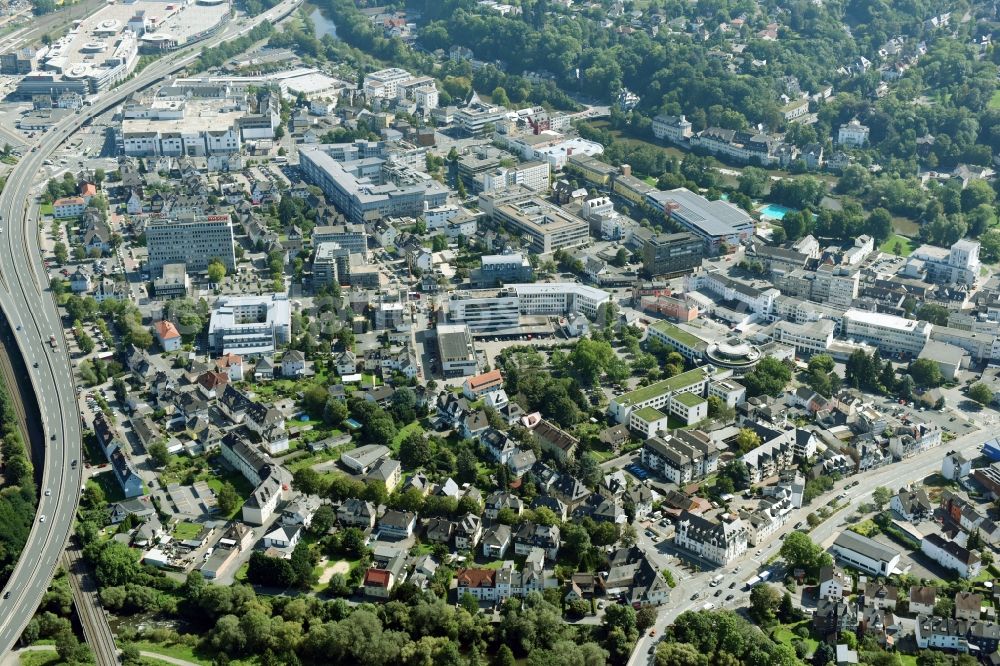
point(895, 475)
point(33, 316)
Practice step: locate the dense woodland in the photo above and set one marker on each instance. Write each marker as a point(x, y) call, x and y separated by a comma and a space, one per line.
point(17, 489)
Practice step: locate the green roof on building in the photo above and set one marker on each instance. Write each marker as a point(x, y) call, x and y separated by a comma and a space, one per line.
point(680, 335)
point(649, 414)
point(677, 383)
point(689, 399)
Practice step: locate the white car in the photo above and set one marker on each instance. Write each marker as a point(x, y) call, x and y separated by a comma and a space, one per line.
point(42, 519)
point(48, 492)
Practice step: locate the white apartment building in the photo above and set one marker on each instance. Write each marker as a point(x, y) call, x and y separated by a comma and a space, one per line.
point(889, 333)
point(192, 240)
point(532, 175)
point(675, 129)
point(951, 555)
point(385, 82)
point(473, 119)
point(495, 309)
point(758, 301)
point(814, 337)
point(437, 218)
point(659, 395)
point(720, 542)
point(865, 554)
point(489, 310)
point(250, 325)
point(853, 134)
point(681, 456)
point(835, 285)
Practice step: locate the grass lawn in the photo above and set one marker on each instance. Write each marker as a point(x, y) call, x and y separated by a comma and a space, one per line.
point(907, 246)
point(495, 564)
point(109, 484)
point(185, 530)
point(241, 574)
point(150, 661)
point(908, 659)
point(175, 650)
point(786, 634)
point(403, 433)
point(995, 100)
point(46, 209)
point(39, 658)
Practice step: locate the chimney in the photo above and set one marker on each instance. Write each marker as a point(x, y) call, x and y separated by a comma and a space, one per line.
point(626, 169)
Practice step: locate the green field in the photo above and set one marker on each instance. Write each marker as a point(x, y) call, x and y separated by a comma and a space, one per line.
point(109, 484)
point(907, 246)
point(39, 658)
point(185, 530)
point(403, 433)
point(786, 634)
point(995, 100)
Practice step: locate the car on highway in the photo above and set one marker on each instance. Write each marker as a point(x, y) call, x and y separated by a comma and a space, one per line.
point(730, 597)
point(42, 519)
point(73, 464)
point(48, 492)
point(6, 595)
point(35, 364)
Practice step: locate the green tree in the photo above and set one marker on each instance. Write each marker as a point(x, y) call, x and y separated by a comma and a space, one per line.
point(800, 552)
point(227, 499)
point(769, 377)
point(60, 252)
point(981, 393)
point(926, 372)
point(747, 440)
point(764, 602)
point(216, 271)
point(881, 497)
point(158, 453)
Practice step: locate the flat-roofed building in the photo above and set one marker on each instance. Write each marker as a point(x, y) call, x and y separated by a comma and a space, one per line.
point(659, 395)
point(250, 325)
point(717, 223)
point(192, 240)
point(455, 348)
point(672, 254)
point(174, 283)
point(889, 333)
point(687, 344)
point(370, 188)
point(543, 228)
point(498, 269)
point(813, 337)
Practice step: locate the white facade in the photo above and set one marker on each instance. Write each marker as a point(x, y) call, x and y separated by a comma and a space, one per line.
point(889, 333)
point(853, 134)
point(250, 325)
point(720, 543)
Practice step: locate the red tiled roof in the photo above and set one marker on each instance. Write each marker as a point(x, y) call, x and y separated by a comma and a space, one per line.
point(377, 578)
point(485, 379)
point(166, 330)
point(476, 577)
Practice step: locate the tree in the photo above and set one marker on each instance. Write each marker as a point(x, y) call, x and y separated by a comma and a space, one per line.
point(747, 439)
point(764, 601)
point(415, 450)
point(576, 542)
point(735, 472)
point(216, 271)
point(981, 393)
point(881, 496)
point(645, 618)
point(926, 372)
point(117, 564)
point(879, 224)
point(769, 377)
point(934, 313)
point(787, 611)
point(60, 252)
point(800, 552)
point(227, 499)
point(158, 453)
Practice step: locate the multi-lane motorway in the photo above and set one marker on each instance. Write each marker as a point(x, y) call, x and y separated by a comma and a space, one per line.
point(32, 315)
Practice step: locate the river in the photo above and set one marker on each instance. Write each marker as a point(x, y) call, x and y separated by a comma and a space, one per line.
point(324, 26)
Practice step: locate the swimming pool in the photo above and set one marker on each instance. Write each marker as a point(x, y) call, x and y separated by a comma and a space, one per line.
point(774, 212)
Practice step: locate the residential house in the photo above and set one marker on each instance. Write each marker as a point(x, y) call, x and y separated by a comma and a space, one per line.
point(880, 595)
point(293, 364)
point(496, 540)
point(356, 513)
point(834, 583)
point(968, 606)
point(922, 599)
point(556, 440)
point(911, 505)
point(530, 535)
point(951, 555)
point(397, 524)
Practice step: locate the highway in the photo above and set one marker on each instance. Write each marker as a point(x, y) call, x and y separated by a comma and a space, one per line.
point(33, 316)
point(893, 476)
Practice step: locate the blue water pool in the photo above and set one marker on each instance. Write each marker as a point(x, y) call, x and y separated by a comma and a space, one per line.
point(774, 212)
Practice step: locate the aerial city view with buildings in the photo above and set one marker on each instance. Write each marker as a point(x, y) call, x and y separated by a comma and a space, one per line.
point(467, 332)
